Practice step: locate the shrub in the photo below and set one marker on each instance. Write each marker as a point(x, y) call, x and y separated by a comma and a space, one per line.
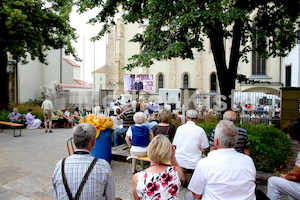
point(269, 148)
point(208, 127)
point(3, 115)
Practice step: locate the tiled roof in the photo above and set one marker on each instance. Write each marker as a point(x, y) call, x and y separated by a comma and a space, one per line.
point(80, 85)
point(100, 70)
point(73, 63)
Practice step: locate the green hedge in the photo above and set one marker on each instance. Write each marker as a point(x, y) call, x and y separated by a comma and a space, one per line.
point(269, 148)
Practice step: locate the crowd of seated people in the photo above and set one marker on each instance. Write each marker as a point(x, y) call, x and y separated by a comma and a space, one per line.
point(227, 172)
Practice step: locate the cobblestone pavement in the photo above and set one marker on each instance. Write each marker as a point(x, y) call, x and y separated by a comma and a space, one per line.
point(27, 164)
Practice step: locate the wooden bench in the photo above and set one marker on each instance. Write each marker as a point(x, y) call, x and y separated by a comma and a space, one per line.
point(147, 159)
point(13, 126)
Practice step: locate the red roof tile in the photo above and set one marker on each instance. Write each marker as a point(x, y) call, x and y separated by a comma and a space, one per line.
point(100, 70)
point(73, 63)
point(86, 85)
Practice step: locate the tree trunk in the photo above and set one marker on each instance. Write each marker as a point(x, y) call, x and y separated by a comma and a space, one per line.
point(226, 75)
point(3, 79)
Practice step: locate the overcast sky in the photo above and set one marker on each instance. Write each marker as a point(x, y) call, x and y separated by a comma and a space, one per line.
point(93, 54)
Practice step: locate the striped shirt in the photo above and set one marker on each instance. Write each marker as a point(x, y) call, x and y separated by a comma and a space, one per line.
point(99, 185)
point(127, 118)
point(242, 142)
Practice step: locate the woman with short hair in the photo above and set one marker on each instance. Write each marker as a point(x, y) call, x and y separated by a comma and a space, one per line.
point(140, 138)
point(158, 180)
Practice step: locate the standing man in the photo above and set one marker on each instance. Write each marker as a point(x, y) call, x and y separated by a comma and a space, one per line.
point(48, 107)
point(15, 116)
point(224, 174)
point(190, 141)
point(81, 175)
point(243, 144)
point(127, 117)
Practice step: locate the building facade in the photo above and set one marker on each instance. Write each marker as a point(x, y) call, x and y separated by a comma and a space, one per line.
point(99, 77)
point(199, 73)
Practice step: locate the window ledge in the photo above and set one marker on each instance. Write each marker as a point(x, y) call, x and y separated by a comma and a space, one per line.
point(262, 76)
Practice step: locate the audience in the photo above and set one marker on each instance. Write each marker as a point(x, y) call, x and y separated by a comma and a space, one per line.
point(158, 181)
point(32, 123)
point(150, 123)
point(15, 116)
point(118, 123)
point(127, 117)
point(287, 184)
point(165, 126)
point(74, 170)
point(224, 173)
point(190, 141)
point(243, 144)
point(69, 122)
point(140, 138)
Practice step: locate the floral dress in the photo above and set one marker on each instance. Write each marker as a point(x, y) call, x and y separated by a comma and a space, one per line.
point(162, 186)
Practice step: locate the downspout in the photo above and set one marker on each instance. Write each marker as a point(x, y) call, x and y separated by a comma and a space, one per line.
point(280, 62)
point(17, 85)
point(298, 64)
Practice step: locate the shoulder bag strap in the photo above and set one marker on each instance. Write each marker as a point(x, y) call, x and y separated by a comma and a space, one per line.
point(84, 179)
point(65, 180)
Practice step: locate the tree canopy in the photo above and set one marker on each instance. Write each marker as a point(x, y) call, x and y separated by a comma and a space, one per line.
point(31, 27)
point(177, 27)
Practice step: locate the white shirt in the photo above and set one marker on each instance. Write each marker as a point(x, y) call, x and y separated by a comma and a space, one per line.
point(224, 174)
point(189, 140)
point(67, 113)
point(47, 105)
point(118, 123)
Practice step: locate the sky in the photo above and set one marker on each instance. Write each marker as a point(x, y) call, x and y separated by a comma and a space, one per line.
point(92, 53)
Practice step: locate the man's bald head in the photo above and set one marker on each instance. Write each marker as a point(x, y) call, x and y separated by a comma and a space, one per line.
point(229, 115)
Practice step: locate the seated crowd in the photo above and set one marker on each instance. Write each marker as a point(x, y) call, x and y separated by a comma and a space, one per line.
point(227, 172)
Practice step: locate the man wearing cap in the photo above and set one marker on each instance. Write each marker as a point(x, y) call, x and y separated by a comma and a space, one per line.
point(190, 141)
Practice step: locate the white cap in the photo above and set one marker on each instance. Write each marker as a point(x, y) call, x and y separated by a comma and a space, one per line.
point(192, 114)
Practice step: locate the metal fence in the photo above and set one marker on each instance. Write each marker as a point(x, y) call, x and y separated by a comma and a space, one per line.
point(251, 107)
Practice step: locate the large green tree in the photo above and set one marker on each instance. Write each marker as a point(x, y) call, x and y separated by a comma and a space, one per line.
point(177, 27)
point(30, 28)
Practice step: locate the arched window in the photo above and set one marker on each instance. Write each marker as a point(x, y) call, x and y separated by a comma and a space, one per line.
point(258, 64)
point(185, 81)
point(213, 82)
point(160, 81)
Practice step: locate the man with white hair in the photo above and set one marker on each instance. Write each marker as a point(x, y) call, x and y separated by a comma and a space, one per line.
point(190, 141)
point(243, 144)
point(15, 116)
point(81, 176)
point(224, 174)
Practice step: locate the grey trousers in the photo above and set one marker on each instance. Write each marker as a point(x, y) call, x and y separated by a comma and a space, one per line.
point(278, 186)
